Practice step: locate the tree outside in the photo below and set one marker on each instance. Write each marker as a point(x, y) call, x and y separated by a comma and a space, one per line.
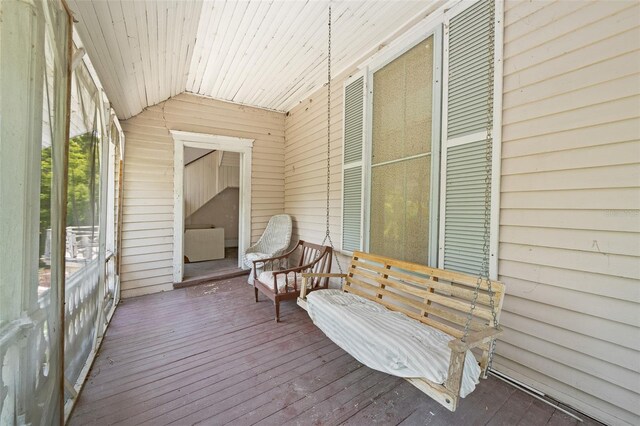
point(83, 188)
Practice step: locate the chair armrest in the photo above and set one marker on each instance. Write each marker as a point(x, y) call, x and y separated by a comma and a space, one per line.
point(299, 270)
point(475, 339)
point(305, 275)
point(286, 255)
point(303, 268)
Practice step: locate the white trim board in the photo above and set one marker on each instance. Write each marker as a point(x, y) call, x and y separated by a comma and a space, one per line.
point(496, 165)
point(223, 143)
point(409, 38)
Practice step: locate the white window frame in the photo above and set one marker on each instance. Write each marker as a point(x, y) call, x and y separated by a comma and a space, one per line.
point(409, 40)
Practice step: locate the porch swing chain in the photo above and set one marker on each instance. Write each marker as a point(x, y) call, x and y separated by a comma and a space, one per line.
point(484, 271)
point(327, 235)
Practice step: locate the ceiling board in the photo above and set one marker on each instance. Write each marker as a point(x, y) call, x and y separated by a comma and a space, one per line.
point(264, 53)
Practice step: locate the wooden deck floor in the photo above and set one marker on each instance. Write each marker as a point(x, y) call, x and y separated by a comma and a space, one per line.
point(210, 355)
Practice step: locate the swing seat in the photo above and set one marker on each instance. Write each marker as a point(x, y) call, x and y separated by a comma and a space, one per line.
point(407, 320)
point(386, 340)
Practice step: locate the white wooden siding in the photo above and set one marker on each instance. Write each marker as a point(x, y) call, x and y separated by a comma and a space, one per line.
point(200, 182)
point(570, 219)
point(207, 176)
point(147, 247)
point(570, 199)
point(229, 171)
point(306, 168)
point(192, 154)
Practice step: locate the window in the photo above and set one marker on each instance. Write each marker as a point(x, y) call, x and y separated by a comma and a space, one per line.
point(86, 213)
point(391, 163)
point(415, 142)
point(401, 160)
point(54, 112)
point(85, 153)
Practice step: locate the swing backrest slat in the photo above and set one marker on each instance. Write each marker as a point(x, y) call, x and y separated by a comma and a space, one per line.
point(439, 298)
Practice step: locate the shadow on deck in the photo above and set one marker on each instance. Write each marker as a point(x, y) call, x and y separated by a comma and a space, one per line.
point(210, 354)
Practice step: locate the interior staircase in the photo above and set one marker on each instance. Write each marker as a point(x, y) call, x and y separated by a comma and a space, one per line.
point(207, 176)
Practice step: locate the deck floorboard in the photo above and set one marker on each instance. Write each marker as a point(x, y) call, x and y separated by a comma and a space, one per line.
point(210, 355)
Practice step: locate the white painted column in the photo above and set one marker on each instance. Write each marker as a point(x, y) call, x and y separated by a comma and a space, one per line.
point(21, 66)
point(21, 90)
point(28, 328)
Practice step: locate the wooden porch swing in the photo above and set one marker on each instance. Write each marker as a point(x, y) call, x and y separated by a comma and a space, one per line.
point(463, 307)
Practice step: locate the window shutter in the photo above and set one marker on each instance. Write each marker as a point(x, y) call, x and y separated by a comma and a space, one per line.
point(468, 72)
point(352, 182)
point(464, 216)
point(466, 92)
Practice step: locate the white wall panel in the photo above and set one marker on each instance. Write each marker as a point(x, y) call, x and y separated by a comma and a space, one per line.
point(200, 182)
point(148, 205)
point(570, 230)
point(306, 167)
point(570, 196)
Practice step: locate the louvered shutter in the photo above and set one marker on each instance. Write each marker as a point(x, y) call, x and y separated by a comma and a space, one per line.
point(352, 171)
point(464, 206)
point(468, 71)
point(464, 150)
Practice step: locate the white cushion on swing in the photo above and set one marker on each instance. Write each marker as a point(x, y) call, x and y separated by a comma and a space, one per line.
point(385, 340)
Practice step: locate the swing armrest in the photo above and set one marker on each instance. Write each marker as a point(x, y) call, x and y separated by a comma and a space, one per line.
point(303, 290)
point(475, 339)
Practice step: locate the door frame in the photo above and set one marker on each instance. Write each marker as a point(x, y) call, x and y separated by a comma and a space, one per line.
point(222, 143)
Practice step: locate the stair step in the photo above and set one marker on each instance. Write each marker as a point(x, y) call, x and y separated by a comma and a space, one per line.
point(216, 276)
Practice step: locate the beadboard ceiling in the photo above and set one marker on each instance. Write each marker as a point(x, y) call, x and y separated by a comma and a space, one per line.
point(269, 54)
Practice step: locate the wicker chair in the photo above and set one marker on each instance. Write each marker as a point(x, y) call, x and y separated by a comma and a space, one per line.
point(274, 241)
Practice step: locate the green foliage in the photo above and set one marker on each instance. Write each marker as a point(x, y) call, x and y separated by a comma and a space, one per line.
point(45, 196)
point(83, 180)
point(82, 185)
point(79, 178)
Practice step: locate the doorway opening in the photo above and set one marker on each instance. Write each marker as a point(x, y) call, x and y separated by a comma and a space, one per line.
point(212, 206)
point(211, 211)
